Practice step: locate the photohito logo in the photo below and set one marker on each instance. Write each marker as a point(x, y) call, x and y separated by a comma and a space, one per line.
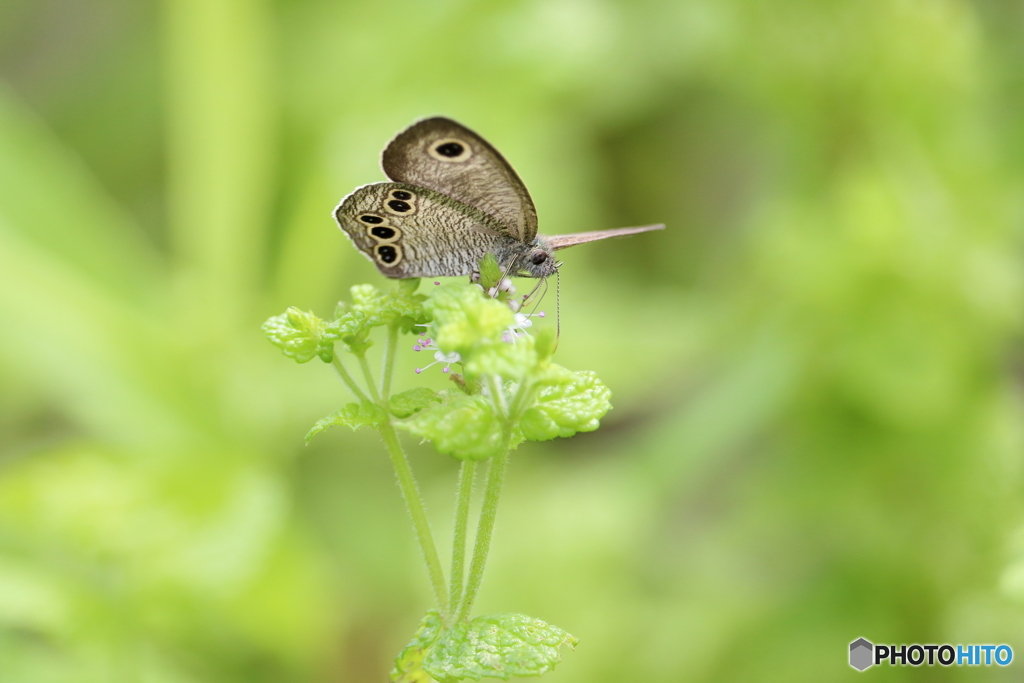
point(863, 653)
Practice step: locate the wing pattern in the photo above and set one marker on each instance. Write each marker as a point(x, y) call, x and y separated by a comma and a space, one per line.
point(445, 156)
point(410, 231)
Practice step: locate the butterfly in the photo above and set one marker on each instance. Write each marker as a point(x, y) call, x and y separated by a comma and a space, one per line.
point(453, 199)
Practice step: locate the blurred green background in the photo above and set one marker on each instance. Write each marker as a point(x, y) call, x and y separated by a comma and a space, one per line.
point(816, 368)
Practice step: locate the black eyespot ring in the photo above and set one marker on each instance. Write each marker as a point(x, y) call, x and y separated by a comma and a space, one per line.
point(401, 194)
point(383, 232)
point(399, 205)
point(538, 257)
point(372, 220)
point(450, 149)
point(387, 253)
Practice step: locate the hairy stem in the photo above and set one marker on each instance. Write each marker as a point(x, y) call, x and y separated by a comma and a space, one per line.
point(495, 477)
point(347, 378)
point(389, 361)
point(519, 401)
point(462, 499)
point(497, 396)
point(414, 503)
point(369, 380)
point(406, 480)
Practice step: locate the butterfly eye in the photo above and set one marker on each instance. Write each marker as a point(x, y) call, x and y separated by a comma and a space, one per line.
point(387, 253)
point(383, 232)
point(538, 257)
point(372, 220)
point(399, 205)
point(401, 194)
point(450, 150)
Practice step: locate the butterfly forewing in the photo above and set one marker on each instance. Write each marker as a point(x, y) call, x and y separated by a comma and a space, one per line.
point(411, 231)
point(442, 155)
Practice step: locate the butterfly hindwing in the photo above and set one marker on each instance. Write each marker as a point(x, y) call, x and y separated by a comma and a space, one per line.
point(442, 155)
point(411, 231)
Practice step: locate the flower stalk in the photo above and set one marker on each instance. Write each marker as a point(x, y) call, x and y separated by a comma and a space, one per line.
point(347, 379)
point(467, 473)
point(414, 504)
point(507, 391)
point(495, 478)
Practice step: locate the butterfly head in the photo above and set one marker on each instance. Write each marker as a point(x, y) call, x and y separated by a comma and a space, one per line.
point(539, 260)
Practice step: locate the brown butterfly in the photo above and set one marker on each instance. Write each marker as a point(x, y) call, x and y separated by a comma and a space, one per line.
point(454, 200)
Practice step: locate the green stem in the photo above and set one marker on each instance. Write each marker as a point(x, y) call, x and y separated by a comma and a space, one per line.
point(406, 481)
point(462, 498)
point(347, 378)
point(369, 379)
point(389, 361)
point(495, 477)
point(414, 503)
point(497, 395)
point(516, 406)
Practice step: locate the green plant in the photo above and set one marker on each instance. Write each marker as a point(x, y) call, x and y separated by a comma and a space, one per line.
point(509, 391)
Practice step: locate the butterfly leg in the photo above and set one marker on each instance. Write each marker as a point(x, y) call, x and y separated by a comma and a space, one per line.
point(540, 281)
point(504, 285)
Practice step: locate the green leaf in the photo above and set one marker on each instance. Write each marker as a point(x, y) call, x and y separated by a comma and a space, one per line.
point(300, 335)
point(357, 318)
point(464, 427)
point(354, 415)
point(409, 285)
point(404, 300)
point(464, 318)
point(412, 401)
point(409, 663)
point(490, 271)
point(509, 360)
point(549, 374)
point(369, 308)
point(562, 410)
point(545, 343)
point(366, 299)
point(353, 329)
point(498, 646)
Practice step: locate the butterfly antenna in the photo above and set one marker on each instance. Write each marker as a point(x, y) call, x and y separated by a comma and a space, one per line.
point(558, 307)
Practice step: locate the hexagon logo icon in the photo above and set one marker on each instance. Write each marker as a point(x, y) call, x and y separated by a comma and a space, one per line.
point(860, 654)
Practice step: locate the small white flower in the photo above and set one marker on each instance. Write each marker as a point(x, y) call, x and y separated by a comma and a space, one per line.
point(522, 321)
point(504, 285)
point(425, 343)
point(442, 357)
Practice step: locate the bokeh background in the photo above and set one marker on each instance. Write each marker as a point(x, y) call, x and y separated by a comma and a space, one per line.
point(816, 368)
